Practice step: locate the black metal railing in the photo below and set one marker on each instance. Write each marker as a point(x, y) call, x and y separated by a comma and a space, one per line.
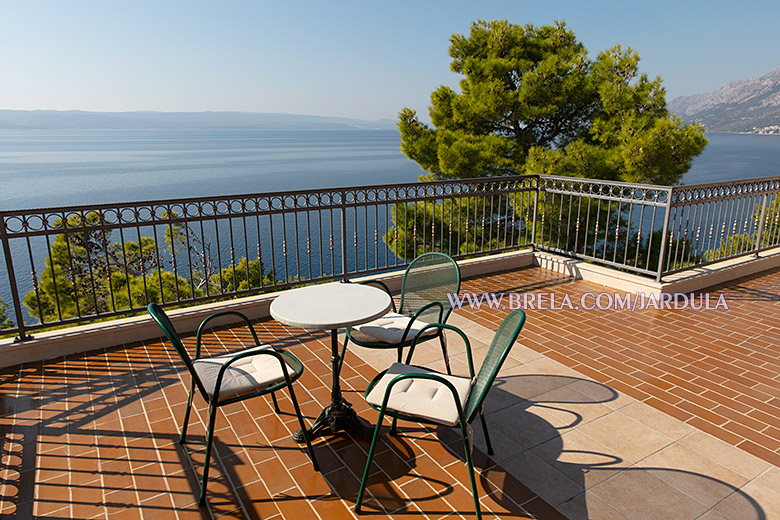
point(73, 264)
point(613, 223)
point(713, 222)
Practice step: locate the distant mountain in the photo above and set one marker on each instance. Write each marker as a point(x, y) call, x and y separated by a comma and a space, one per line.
point(749, 105)
point(76, 119)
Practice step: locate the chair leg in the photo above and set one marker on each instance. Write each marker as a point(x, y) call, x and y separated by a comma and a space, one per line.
point(209, 442)
point(393, 429)
point(485, 429)
point(183, 437)
point(343, 353)
point(276, 404)
point(303, 428)
point(467, 452)
point(364, 481)
point(445, 355)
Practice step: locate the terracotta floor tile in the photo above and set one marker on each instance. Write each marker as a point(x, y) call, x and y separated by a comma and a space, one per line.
point(108, 421)
point(702, 413)
point(760, 451)
point(752, 435)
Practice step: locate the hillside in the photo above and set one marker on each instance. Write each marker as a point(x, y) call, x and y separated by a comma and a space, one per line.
point(749, 105)
point(76, 119)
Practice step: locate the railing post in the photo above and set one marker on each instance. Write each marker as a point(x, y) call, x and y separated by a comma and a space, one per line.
point(761, 224)
point(664, 234)
point(9, 264)
point(344, 276)
point(536, 206)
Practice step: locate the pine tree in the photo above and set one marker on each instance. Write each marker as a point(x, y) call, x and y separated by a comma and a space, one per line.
point(532, 102)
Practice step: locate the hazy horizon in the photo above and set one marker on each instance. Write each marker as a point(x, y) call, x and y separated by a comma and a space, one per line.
point(144, 119)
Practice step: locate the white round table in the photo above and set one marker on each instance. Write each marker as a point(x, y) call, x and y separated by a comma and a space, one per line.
point(332, 306)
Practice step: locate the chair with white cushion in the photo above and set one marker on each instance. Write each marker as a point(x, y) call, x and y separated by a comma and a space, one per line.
point(424, 289)
point(417, 394)
point(230, 378)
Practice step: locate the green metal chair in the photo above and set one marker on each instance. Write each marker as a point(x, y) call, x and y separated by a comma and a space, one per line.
point(417, 394)
point(424, 289)
point(230, 378)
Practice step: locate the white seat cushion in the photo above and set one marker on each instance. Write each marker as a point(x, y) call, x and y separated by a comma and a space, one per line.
point(389, 329)
point(242, 377)
point(422, 398)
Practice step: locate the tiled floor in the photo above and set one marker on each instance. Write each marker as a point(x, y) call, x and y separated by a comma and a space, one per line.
point(717, 369)
point(597, 414)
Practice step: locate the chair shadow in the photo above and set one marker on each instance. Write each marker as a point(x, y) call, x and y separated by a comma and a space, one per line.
point(396, 459)
point(589, 467)
point(84, 440)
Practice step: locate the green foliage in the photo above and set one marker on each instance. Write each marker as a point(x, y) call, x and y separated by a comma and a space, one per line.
point(245, 275)
point(425, 226)
point(5, 321)
point(532, 102)
point(418, 227)
point(739, 243)
point(87, 274)
point(68, 271)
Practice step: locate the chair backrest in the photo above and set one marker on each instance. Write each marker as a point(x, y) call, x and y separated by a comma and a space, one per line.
point(159, 316)
point(502, 343)
point(429, 278)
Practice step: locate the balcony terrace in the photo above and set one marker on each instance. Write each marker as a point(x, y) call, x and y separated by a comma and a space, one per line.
point(597, 414)
point(669, 410)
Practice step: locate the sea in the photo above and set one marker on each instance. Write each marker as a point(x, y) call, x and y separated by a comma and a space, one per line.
point(46, 168)
point(56, 168)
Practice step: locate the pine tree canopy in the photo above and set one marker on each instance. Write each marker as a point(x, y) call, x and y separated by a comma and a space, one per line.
point(533, 102)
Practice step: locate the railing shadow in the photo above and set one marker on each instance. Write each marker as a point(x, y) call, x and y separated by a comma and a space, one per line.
point(64, 433)
point(542, 279)
point(77, 438)
point(737, 291)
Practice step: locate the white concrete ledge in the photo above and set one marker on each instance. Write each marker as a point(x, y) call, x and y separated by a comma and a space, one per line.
point(722, 272)
point(599, 274)
point(73, 340)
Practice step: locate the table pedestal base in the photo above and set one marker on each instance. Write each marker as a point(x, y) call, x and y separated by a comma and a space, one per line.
point(337, 416)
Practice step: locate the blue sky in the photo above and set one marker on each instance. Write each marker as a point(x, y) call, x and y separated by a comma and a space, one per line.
point(358, 59)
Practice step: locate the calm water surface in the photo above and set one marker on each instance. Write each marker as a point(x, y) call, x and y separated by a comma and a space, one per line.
point(53, 168)
point(731, 157)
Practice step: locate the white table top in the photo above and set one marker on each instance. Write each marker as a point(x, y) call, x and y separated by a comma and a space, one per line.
point(330, 306)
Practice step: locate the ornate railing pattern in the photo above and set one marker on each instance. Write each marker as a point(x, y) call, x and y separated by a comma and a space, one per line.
point(713, 222)
point(613, 223)
point(74, 264)
point(71, 264)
